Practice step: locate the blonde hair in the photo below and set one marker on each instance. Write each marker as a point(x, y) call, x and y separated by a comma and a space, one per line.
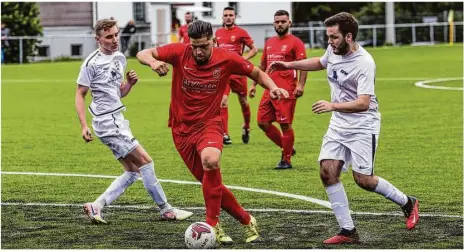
point(104, 24)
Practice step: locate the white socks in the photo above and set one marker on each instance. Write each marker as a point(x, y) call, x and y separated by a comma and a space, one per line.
point(153, 187)
point(116, 188)
point(391, 192)
point(340, 207)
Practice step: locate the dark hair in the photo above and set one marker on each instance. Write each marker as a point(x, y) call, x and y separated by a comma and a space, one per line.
point(346, 22)
point(282, 13)
point(229, 8)
point(104, 24)
point(188, 13)
point(200, 29)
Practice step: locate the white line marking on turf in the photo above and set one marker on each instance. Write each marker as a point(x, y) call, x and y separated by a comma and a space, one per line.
point(288, 195)
point(265, 210)
point(423, 83)
point(169, 80)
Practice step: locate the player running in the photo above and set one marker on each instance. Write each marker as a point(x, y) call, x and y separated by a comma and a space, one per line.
point(353, 133)
point(235, 39)
point(103, 72)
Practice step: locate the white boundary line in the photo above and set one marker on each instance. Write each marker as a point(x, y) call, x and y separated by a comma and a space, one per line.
point(423, 83)
point(295, 196)
point(169, 80)
point(264, 210)
point(288, 195)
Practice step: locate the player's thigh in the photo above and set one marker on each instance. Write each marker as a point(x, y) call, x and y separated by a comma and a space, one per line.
point(113, 131)
point(186, 147)
point(333, 149)
point(210, 144)
point(266, 111)
point(363, 148)
point(285, 110)
point(238, 85)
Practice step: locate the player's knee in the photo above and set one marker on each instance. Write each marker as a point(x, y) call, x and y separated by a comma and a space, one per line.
point(286, 126)
point(210, 162)
point(327, 176)
point(243, 100)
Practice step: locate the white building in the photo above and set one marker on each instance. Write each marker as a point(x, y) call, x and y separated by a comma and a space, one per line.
point(70, 23)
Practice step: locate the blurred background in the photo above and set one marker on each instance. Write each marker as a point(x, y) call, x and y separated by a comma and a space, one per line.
point(63, 30)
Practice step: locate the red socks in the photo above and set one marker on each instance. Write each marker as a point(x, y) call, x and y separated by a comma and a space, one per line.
point(212, 193)
point(274, 134)
point(288, 139)
point(246, 115)
point(225, 119)
point(231, 206)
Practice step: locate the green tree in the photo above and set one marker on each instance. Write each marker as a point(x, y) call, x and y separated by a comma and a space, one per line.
point(22, 18)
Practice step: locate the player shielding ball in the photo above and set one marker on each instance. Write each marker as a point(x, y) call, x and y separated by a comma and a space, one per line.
point(354, 128)
point(200, 76)
point(103, 74)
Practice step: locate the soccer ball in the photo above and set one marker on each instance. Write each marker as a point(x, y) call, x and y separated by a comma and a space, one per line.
point(200, 235)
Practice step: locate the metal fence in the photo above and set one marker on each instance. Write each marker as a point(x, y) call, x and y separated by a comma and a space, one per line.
point(77, 46)
point(375, 35)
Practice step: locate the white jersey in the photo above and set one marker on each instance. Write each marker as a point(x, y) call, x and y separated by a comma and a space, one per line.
point(350, 76)
point(104, 75)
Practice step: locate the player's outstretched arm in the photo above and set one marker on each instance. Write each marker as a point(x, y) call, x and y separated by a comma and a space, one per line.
point(311, 64)
point(81, 92)
point(149, 57)
point(264, 80)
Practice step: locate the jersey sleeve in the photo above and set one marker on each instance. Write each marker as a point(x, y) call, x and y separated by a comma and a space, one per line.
point(263, 58)
point(246, 39)
point(171, 52)
point(366, 78)
point(180, 33)
point(300, 50)
point(85, 76)
point(325, 58)
point(239, 65)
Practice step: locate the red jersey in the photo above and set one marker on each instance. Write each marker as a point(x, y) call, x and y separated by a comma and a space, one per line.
point(183, 33)
point(288, 48)
point(197, 90)
point(234, 39)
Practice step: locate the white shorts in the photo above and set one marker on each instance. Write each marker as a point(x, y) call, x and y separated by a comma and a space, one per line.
point(355, 149)
point(113, 130)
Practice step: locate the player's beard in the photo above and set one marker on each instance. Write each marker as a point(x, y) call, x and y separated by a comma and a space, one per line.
point(342, 49)
point(283, 32)
point(201, 61)
point(229, 25)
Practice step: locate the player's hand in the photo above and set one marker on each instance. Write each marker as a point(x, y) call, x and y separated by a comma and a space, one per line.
point(277, 65)
point(86, 134)
point(252, 91)
point(299, 90)
point(160, 67)
point(132, 77)
point(322, 107)
point(224, 101)
point(277, 93)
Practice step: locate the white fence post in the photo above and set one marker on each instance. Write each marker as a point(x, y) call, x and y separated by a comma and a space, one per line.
point(20, 50)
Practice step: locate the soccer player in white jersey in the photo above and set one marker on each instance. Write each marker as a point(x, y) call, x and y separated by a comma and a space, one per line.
point(103, 73)
point(354, 128)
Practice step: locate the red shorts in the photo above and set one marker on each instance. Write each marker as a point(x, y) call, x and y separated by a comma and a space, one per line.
point(238, 84)
point(273, 110)
point(190, 146)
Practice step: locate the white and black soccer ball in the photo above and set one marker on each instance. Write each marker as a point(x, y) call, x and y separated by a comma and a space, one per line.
point(200, 235)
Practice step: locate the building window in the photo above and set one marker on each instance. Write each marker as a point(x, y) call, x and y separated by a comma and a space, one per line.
point(76, 50)
point(235, 6)
point(139, 11)
point(44, 51)
point(208, 13)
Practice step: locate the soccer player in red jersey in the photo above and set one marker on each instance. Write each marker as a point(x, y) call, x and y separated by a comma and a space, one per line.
point(200, 76)
point(283, 47)
point(234, 38)
point(183, 34)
